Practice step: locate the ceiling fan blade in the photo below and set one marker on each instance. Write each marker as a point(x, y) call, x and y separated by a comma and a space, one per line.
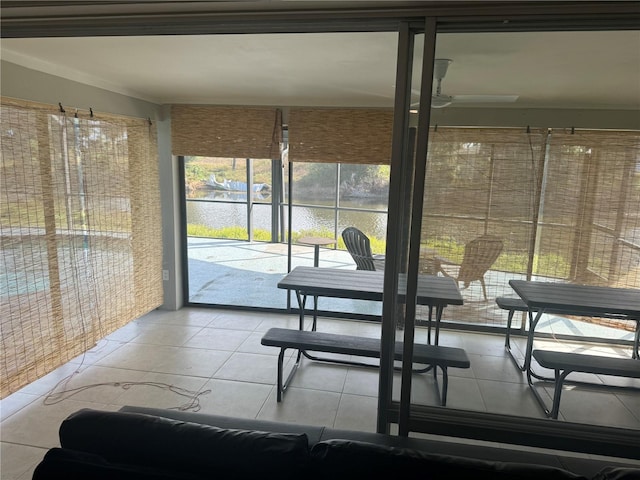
point(440, 101)
point(484, 98)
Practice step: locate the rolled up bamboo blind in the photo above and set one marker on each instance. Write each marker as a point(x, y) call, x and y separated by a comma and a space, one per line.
point(338, 135)
point(80, 234)
point(233, 132)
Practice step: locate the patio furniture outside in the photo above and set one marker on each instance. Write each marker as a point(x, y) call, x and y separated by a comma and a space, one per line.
point(359, 247)
point(573, 299)
point(479, 255)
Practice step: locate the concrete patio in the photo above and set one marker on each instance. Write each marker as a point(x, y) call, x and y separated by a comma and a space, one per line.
point(246, 274)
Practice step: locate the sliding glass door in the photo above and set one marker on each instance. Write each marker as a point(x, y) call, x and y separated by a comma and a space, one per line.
point(246, 215)
point(235, 256)
point(545, 175)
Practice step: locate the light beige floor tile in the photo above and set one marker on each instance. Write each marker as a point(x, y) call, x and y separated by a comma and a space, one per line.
point(343, 327)
point(161, 390)
point(357, 413)
point(37, 424)
point(14, 402)
point(464, 394)
point(175, 335)
point(138, 357)
point(218, 339)
point(96, 384)
point(17, 462)
point(361, 381)
point(228, 359)
point(99, 351)
point(252, 344)
point(192, 316)
point(447, 338)
point(193, 362)
point(235, 399)
point(300, 405)
point(249, 367)
point(280, 321)
point(45, 384)
point(423, 389)
point(633, 383)
point(129, 331)
point(320, 376)
point(479, 344)
point(461, 372)
point(499, 368)
point(237, 320)
point(510, 398)
point(166, 359)
point(580, 402)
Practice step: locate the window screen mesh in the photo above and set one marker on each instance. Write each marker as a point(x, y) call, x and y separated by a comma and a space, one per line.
point(566, 205)
point(80, 233)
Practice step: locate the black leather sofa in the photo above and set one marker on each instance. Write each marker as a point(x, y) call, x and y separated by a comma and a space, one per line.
point(148, 443)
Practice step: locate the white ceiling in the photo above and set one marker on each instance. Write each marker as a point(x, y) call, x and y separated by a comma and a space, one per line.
point(545, 69)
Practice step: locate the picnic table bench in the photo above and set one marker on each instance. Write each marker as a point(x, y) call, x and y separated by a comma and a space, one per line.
point(431, 355)
point(516, 304)
point(564, 363)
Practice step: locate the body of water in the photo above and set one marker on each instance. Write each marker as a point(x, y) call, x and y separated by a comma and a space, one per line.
point(212, 212)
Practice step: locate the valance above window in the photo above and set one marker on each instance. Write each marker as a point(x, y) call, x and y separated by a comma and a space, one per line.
point(338, 135)
point(235, 132)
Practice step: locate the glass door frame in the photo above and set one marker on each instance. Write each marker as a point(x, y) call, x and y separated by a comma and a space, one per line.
point(403, 242)
point(434, 419)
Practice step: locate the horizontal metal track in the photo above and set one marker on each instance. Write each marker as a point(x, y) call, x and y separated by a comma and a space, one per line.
point(534, 432)
point(58, 19)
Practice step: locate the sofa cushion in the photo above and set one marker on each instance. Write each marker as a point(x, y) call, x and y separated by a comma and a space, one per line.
point(313, 432)
point(355, 459)
point(618, 473)
point(159, 442)
point(73, 465)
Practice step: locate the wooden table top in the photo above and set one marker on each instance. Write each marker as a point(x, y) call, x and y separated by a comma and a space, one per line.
point(579, 299)
point(367, 285)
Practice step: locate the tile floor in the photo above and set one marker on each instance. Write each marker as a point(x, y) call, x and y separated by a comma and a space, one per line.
point(213, 360)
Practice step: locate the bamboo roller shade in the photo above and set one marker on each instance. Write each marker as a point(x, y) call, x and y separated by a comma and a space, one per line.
point(360, 136)
point(81, 233)
point(564, 200)
point(235, 132)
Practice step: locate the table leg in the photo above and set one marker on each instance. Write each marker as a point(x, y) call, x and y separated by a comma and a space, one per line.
point(315, 313)
point(507, 341)
point(316, 263)
point(302, 300)
point(439, 311)
point(533, 322)
point(316, 255)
